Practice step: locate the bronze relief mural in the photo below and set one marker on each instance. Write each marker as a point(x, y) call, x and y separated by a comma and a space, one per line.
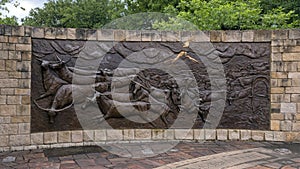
point(246, 67)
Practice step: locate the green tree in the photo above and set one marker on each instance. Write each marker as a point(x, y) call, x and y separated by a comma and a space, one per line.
point(224, 14)
point(12, 20)
point(71, 13)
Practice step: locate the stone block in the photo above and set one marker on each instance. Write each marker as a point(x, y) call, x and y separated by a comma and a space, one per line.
point(279, 75)
point(198, 36)
point(294, 75)
point(105, 35)
point(50, 33)
point(24, 40)
point(184, 134)
point(91, 34)
point(232, 36)
point(7, 30)
point(290, 43)
point(4, 141)
point(289, 116)
point(170, 36)
point(77, 136)
point(9, 46)
point(245, 134)
point(296, 126)
point(9, 129)
point(280, 34)
point(292, 136)
point(88, 135)
point(128, 134)
point(216, 36)
point(294, 34)
point(278, 98)
point(288, 108)
point(157, 134)
point(13, 55)
point(290, 66)
point(24, 128)
point(24, 83)
point(71, 33)
point(114, 134)
point(13, 100)
point(11, 65)
point(292, 49)
point(142, 134)
point(279, 136)
point(13, 39)
point(247, 36)
point(3, 39)
point(290, 57)
point(277, 43)
point(20, 91)
point(277, 90)
point(285, 82)
point(210, 134)
point(28, 30)
point(38, 33)
point(61, 33)
point(277, 116)
point(148, 36)
point(8, 110)
point(100, 135)
point(26, 56)
point(262, 36)
point(50, 138)
point(81, 34)
point(20, 119)
point(19, 140)
point(258, 135)
point(234, 135)
point(37, 138)
point(291, 90)
point(119, 35)
point(222, 134)
point(18, 31)
point(7, 91)
point(2, 99)
point(277, 66)
point(2, 68)
point(64, 136)
point(14, 75)
point(186, 36)
point(5, 120)
point(11, 83)
point(169, 134)
point(296, 82)
point(23, 47)
point(199, 134)
point(286, 125)
point(295, 98)
point(4, 75)
point(269, 135)
point(133, 35)
point(275, 125)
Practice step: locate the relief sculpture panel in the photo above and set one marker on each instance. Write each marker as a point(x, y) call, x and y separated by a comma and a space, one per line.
point(148, 90)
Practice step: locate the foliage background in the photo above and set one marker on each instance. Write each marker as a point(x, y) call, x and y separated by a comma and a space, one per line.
point(205, 14)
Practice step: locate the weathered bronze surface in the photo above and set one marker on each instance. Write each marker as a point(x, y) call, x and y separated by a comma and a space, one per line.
point(246, 66)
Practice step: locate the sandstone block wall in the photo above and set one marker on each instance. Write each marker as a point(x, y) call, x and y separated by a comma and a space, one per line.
point(15, 80)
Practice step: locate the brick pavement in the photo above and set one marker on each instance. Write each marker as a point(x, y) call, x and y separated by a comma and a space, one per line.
point(233, 154)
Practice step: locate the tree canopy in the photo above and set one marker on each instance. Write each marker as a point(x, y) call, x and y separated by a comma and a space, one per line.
point(7, 20)
point(205, 14)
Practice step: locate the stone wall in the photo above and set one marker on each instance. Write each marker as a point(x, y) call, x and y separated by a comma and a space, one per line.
point(15, 86)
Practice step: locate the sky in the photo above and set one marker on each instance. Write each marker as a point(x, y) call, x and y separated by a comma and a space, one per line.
point(27, 4)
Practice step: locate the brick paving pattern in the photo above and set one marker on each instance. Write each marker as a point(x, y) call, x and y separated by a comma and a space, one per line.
point(276, 155)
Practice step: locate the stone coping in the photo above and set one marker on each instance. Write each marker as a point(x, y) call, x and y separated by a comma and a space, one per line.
point(96, 137)
point(149, 35)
